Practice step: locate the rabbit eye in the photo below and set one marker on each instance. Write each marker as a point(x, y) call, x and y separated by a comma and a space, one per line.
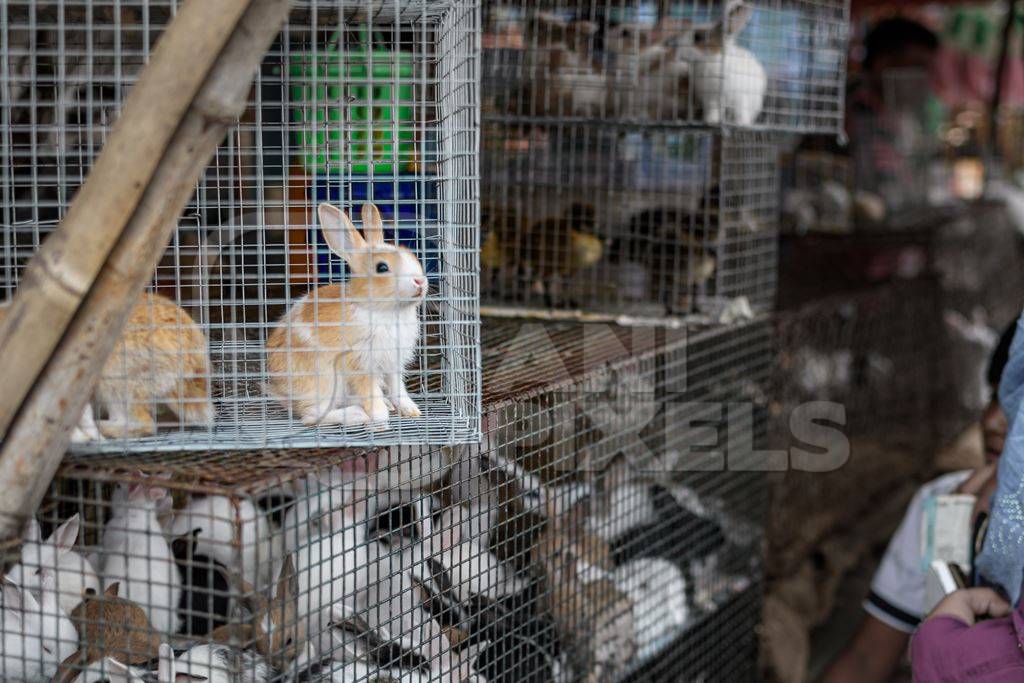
point(382, 267)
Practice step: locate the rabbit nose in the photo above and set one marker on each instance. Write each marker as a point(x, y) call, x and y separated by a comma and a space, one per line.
point(420, 282)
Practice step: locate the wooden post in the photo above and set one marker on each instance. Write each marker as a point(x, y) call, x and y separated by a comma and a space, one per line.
point(39, 434)
point(67, 263)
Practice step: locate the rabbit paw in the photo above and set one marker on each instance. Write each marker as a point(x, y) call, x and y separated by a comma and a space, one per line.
point(378, 414)
point(349, 416)
point(407, 408)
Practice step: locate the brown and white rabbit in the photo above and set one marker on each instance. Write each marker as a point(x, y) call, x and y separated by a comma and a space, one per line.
point(342, 348)
point(564, 78)
point(593, 617)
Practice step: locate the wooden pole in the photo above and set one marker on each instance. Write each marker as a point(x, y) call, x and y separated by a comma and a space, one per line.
point(38, 436)
point(67, 263)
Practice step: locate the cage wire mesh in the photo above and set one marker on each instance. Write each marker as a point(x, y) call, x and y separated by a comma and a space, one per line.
point(618, 219)
point(249, 334)
point(773, 64)
point(588, 536)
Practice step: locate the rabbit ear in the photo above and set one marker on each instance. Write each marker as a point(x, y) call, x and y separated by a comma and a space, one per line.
point(33, 534)
point(13, 599)
point(341, 236)
point(112, 590)
point(29, 602)
point(736, 17)
point(66, 535)
point(165, 665)
point(287, 581)
point(373, 226)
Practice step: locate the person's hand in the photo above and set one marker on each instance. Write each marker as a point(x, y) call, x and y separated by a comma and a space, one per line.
point(981, 484)
point(970, 604)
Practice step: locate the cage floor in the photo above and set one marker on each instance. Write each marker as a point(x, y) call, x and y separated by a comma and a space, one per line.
point(263, 428)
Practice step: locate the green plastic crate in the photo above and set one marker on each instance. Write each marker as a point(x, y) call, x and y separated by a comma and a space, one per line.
point(385, 99)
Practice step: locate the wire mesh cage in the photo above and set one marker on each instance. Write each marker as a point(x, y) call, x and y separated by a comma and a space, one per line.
point(819, 193)
point(267, 322)
point(771, 64)
point(615, 219)
point(587, 537)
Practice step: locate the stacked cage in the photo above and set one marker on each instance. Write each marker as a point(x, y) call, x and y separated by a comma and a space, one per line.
point(609, 523)
point(584, 535)
point(269, 322)
point(629, 162)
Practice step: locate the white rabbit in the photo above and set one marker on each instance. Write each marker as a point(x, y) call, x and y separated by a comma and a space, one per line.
point(319, 508)
point(335, 567)
point(657, 589)
point(342, 349)
point(109, 670)
point(631, 505)
point(474, 570)
point(221, 664)
point(729, 82)
point(37, 635)
point(234, 533)
point(136, 555)
point(74, 572)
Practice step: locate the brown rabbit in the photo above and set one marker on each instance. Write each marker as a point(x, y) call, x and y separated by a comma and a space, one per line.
point(162, 358)
point(593, 618)
point(109, 626)
point(273, 628)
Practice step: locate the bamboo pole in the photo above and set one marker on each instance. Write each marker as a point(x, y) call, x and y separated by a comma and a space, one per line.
point(37, 438)
point(66, 265)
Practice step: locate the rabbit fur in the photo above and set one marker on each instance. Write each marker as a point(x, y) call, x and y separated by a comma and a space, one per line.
point(136, 555)
point(37, 635)
point(161, 358)
point(341, 350)
point(728, 80)
point(235, 533)
point(74, 572)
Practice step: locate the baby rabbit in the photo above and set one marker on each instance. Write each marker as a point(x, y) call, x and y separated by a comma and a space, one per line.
point(658, 591)
point(205, 591)
point(74, 573)
point(341, 345)
point(137, 555)
point(220, 664)
point(111, 626)
point(594, 618)
point(162, 358)
point(273, 628)
point(564, 78)
point(37, 635)
point(234, 533)
point(728, 80)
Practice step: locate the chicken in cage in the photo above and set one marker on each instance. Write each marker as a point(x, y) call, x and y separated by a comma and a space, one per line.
point(604, 219)
point(764, 64)
point(268, 320)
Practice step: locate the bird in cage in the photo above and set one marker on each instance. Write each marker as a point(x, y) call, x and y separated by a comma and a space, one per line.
point(339, 355)
point(542, 255)
point(563, 77)
point(676, 250)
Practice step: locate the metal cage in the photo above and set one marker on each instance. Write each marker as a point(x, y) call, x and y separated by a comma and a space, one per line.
point(625, 220)
point(587, 536)
point(248, 335)
point(772, 64)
